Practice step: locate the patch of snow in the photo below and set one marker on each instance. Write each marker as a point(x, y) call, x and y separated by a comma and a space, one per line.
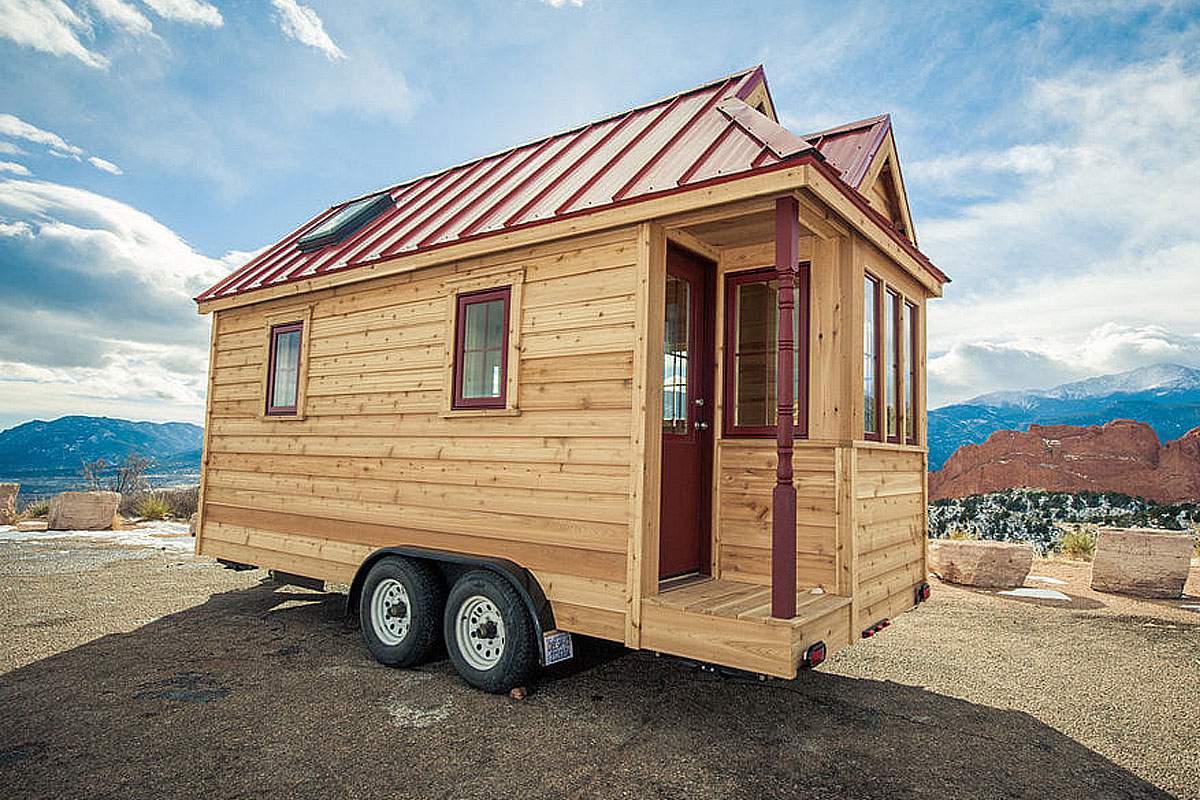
point(1038, 594)
point(161, 535)
point(1191, 607)
point(1045, 579)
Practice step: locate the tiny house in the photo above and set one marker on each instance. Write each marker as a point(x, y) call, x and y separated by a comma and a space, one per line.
point(658, 379)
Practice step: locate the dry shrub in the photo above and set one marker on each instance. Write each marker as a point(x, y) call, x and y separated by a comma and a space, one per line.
point(151, 507)
point(176, 502)
point(37, 509)
point(1079, 543)
point(962, 535)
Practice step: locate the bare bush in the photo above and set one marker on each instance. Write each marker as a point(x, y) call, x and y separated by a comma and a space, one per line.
point(175, 502)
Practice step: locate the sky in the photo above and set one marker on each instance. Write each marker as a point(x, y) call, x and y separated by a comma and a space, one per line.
point(1051, 153)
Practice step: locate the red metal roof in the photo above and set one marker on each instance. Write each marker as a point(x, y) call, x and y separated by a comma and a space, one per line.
point(700, 135)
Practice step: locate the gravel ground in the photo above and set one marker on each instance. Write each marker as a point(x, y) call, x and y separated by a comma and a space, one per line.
point(138, 673)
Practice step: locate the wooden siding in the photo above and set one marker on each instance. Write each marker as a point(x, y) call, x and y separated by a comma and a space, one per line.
point(890, 530)
point(378, 461)
point(746, 478)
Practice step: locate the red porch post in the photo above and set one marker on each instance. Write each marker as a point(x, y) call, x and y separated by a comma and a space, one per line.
point(783, 499)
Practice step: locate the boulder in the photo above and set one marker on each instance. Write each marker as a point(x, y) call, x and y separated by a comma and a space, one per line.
point(1141, 562)
point(83, 511)
point(193, 522)
point(976, 563)
point(8, 503)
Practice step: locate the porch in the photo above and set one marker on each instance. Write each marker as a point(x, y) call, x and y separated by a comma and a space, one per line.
point(725, 621)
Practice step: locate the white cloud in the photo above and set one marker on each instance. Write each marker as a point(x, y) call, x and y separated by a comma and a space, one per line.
point(107, 166)
point(97, 308)
point(302, 24)
point(49, 26)
point(1085, 250)
point(10, 149)
point(561, 3)
point(17, 128)
point(123, 15)
point(14, 168)
point(192, 12)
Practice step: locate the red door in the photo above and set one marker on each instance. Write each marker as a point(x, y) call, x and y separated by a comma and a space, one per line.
point(687, 417)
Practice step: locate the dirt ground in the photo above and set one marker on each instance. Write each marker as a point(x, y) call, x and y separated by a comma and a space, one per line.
point(137, 673)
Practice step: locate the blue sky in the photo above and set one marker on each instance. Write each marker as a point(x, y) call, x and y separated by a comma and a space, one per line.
point(1050, 150)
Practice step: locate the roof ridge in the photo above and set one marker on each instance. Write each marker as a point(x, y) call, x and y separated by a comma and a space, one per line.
point(743, 73)
point(850, 126)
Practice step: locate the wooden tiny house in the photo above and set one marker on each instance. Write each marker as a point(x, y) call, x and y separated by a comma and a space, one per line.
point(585, 357)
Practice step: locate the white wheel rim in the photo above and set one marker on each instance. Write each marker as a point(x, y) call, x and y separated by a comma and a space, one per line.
point(480, 632)
point(391, 612)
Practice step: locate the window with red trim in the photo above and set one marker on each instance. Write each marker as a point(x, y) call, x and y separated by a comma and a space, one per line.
point(891, 347)
point(872, 365)
point(481, 349)
point(283, 371)
point(751, 347)
point(909, 333)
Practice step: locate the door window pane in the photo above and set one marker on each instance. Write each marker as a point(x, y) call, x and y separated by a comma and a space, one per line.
point(910, 394)
point(676, 335)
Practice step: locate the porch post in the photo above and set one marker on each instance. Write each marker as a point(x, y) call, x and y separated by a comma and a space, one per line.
point(783, 499)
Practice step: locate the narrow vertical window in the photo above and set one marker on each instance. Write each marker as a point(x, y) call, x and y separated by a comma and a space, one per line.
point(283, 371)
point(481, 349)
point(871, 358)
point(891, 348)
point(752, 342)
point(676, 339)
point(910, 358)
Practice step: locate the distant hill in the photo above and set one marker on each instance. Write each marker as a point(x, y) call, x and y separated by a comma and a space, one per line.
point(1119, 456)
point(1166, 397)
point(65, 444)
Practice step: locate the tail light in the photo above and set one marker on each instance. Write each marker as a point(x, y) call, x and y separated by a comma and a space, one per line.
point(814, 655)
point(876, 628)
point(923, 592)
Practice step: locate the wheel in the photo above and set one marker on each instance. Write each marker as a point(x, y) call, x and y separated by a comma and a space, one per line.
point(399, 611)
point(489, 633)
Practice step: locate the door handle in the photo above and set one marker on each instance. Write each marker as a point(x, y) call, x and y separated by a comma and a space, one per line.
point(701, 426)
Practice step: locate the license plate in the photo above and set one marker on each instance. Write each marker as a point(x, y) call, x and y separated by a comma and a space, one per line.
point(557, 646)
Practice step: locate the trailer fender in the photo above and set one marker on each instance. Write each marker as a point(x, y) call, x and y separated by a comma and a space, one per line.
point(453, 563)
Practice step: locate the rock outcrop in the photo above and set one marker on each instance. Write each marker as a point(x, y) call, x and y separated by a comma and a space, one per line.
point(1145, 563)
point(8, 503)
point(1120, 456)
point(995, 565)
point(83, 511)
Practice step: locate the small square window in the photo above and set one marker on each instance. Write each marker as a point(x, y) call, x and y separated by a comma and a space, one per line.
point(283, 371)
point(481, 349)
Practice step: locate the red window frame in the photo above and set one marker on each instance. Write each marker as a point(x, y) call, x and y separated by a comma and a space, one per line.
point(729, 427)
point(911, 388)
point(896, 363)
point(877, 342)
point(277, 331)
point(462, 302)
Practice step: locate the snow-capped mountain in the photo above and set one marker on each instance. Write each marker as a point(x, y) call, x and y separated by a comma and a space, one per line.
point(1164, 396)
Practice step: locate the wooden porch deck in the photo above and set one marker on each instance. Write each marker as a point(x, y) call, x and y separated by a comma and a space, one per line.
point(730, 622)
point(748, 601)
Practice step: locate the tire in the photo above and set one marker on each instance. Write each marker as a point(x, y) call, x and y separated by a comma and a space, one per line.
point(399, 611)
point(483, 603)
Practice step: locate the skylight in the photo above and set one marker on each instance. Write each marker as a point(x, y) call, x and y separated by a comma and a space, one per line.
point(344, 222)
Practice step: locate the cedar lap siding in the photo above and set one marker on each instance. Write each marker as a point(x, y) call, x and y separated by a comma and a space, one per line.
point(557, 469)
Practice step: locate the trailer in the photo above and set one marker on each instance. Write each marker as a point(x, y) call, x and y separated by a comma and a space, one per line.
point(658, 379)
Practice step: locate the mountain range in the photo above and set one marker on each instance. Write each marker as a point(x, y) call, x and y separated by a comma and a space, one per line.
point(64, 445)
point(1164, 396)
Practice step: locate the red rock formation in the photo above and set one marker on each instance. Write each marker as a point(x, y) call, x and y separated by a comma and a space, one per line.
point(1119, 456)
